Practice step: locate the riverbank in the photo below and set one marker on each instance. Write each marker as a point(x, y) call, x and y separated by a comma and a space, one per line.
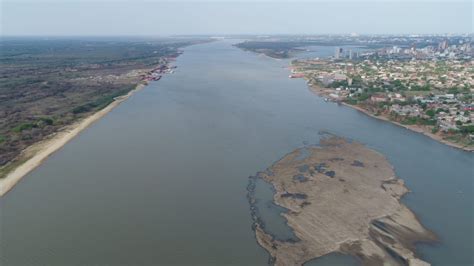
point(34, 155)
point(416, 128)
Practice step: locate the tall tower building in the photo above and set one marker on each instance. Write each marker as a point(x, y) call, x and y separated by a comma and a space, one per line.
point(443, 45)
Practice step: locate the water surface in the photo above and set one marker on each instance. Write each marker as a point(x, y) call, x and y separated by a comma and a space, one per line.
point(162, 178)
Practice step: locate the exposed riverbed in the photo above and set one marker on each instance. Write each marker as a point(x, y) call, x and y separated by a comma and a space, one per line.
point(338, 197)
point(162, 178)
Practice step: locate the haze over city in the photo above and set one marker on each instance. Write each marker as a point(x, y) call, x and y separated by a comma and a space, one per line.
point(76, 17)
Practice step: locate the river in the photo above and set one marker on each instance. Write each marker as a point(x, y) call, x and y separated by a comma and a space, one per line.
point(162, 178)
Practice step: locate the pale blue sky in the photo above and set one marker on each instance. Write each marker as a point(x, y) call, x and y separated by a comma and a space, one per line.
point(158, 17)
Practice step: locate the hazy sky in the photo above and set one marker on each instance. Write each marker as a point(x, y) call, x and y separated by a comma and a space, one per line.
point(158, 17)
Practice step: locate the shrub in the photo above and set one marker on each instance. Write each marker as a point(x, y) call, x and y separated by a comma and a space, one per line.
point(100, 103)
point(430, 113)
point(24, 126)
point(46, 120)
point(467, 129)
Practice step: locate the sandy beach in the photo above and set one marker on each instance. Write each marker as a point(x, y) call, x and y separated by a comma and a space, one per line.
point(35, 154)
point(320, 92)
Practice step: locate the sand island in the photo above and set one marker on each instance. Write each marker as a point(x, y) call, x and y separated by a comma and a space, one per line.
point(341, 197)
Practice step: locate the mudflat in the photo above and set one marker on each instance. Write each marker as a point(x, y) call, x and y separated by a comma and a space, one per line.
point(341, 197)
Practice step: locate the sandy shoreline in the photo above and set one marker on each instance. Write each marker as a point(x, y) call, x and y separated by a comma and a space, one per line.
point(415, 128)
point(341, 197)
point(40, 151)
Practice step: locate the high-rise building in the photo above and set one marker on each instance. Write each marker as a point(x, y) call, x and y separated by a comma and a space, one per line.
point(338, 52)
point(443, 45)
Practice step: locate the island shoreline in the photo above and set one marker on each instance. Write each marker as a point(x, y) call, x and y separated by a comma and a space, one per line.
point(272, 245)
point(42, 150)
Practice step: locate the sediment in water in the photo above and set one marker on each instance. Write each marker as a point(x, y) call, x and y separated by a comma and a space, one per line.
point(348, 202)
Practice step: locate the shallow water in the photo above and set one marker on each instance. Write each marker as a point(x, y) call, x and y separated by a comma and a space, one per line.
point(334, 259)
point(269, 212)
point(325, 51)
point(162, 178)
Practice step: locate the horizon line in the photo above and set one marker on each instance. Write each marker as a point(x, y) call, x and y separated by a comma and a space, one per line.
point(353, 34)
